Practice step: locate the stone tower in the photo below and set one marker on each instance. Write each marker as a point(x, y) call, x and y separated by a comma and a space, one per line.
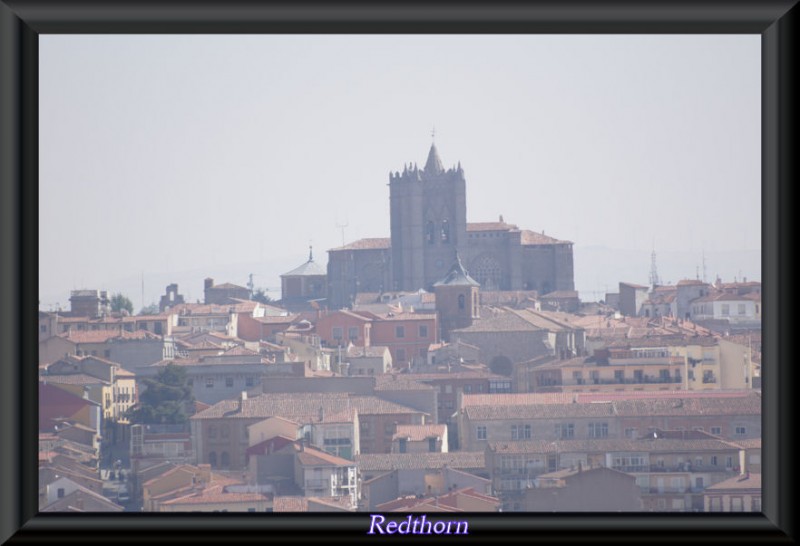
point(428, 209)
point(457, 300)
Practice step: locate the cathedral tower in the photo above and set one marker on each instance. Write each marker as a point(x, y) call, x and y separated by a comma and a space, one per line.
point(428, 209)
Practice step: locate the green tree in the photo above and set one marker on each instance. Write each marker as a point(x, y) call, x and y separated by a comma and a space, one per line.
point(120, 302)
point(165, 399)
point(260, 295)
point(151, 309)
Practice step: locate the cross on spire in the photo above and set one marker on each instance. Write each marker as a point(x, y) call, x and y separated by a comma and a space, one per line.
point(433, 133)
point(310, 253)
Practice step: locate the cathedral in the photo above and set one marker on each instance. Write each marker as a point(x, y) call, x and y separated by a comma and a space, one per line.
point(428, 221)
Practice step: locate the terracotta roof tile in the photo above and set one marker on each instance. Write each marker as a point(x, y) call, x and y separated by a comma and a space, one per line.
point(382, 243)
point(420, 433)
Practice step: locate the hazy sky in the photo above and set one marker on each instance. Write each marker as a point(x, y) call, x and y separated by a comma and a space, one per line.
point(176, 157)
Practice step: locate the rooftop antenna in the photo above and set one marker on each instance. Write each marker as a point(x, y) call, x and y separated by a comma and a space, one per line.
point(704, 265)
point(654, 280)
point(342, 226)
point(250, 285)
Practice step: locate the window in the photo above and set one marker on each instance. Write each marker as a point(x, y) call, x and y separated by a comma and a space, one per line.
point(212, 431)
point(520, 432)
point(403, 444)
point(209, 383)
point(400, 331)
point(598, 430)
point(728, 462)
point(713, 460)
point(726, 309)
point(423, 330)
point(462, 302)
point(429, 232)
point(741, 431)
point(741, 309)
point(401, 355)
point(336, 333)
point(445, 231)
point(249, 381)
point(432, 445)
point(630, 433)
point(107, 353)
point(229, 382)
point(716, 431)
point(736, 504)
point(467, 389)
point(352, 333)
point(755, 505)
point(715, 504)
point(565, 430)
point(225, 431)
point(43, 328)
point(481, 433)
point(619, 376)
point(190, 382)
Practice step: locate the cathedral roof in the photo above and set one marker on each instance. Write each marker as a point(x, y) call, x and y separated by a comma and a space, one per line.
point(375, 243)
point(434, 164)
point(457, 276)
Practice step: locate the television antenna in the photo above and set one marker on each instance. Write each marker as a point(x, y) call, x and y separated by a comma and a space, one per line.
point(342, 226)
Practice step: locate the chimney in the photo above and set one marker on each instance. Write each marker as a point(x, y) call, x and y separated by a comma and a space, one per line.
point(208, 283)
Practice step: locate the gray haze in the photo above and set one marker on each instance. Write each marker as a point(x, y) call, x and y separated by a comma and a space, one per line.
point(173, 158)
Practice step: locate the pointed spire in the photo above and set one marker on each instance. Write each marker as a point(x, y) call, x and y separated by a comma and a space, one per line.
point(457, 275)
point(310, 253)
point(434, 164)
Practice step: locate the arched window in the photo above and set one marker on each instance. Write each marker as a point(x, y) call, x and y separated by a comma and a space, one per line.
point(430, 230)
point(445, 231)
point(462, 302)
point(225, 460)
point(212, 459)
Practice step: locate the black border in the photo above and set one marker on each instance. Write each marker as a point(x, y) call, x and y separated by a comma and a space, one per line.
point(22, 21)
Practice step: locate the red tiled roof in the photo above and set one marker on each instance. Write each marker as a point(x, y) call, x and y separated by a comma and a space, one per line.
point(314, 457)
point(533, 238)
point(490, 226)
point(381, 243)
point(746, 481)
point(101, 336)
point(290, 504)
point(72, 379)
point(420, 433)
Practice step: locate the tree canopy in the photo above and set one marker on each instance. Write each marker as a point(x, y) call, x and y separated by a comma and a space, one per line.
point(165, 398)
point(120, 302)
point(260, 295)
point(151, 309)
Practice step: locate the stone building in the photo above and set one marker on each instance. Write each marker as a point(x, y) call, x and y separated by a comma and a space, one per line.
point(304, 283)
point(428, 223)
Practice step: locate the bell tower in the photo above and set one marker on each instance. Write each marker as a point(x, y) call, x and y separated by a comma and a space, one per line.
point(428, 209)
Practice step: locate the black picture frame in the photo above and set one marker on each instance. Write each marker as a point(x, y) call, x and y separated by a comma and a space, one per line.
point(22, 21)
